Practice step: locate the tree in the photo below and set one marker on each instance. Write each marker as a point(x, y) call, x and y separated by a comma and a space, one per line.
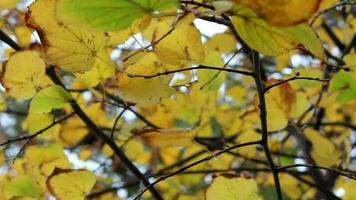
point(135, 99)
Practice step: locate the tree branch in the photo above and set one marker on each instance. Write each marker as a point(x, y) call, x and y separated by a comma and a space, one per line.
point(107, 140)
point(263, 119)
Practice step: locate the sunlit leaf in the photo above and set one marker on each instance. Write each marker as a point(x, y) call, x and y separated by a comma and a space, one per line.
point(140, 89)
point(69, 47)
point(119, 37)
point(53, 97)
point(182, 46)
point(37, 121)
point(9, 4)
point(230, 186)
point(103, 68)
point(110, 15)
point(272, 40)
point(20, 186)
point(209, 79)
point(47, 157)
point(167, 137)
point(24, 74)
point(344, 81)
point(70, 184)
point(323, 151)
point(283, 12)
point(222, 43)
point(73, 125)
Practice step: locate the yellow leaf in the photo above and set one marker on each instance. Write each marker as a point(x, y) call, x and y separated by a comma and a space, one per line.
point(136, 151)
point(8, 4)
point(222, 42)
point(230, 186)
point(283, 12)
point(23, 35)
point(37, 121)
point(143, 90)
point(72, 131)
point(102, 69)
point(167, 137)
point(210, 79)
point(120, 37)
point(2, 103)
point(47, 157)
point(162, 117)
point(70, 184)
point(69, 47)
point(248, 136)
point(323, 150)
point(271, 40)
point(182, 46)
point(24, 74)
point(85, 153)
point(238, 93)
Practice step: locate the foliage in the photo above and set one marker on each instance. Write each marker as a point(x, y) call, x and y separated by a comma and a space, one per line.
point(116, 99)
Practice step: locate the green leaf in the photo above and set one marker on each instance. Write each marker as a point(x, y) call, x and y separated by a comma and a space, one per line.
point(345, 82)
point(271, 40)
point(110, 15)
point(53, 97)
point(22, 186)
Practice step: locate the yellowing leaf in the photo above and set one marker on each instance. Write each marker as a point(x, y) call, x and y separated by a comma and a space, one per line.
point(9, 4)
point(2, 103)
point(137, 151)
point(23, 34)
point(47, 157)
point(24, 74)
point(72, 125)
point(120, 37)
point(222, 43)
point(52, 97)
point(272, 40)
point(70, 184)
point(248, 136)
point(167, 137)
point(210, 79)
point(22, 186)
point(182, 46)
point(323, 150)
point(283, 12)
point(230, 186)
point(101, 70)
point(110, 15)
point(69, 47)
point(143, 90)
point(37, 121)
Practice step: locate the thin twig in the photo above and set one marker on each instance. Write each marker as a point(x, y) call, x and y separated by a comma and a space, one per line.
point(348, 174)
point(292, 79)
point(225, 65)
point(116, 121)
point(196, 163)
point(192, 68)
point(29, 137)
point(107, 140)
point(329, 9)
